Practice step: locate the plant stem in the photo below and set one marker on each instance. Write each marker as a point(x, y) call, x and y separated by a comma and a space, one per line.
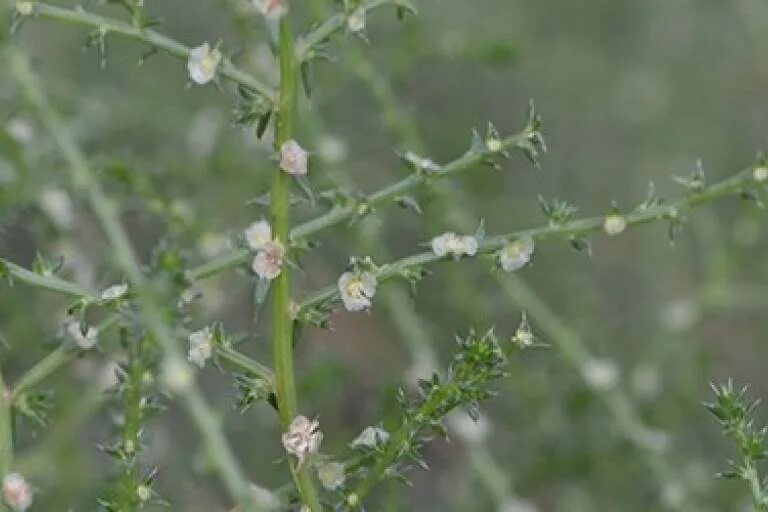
point(151, 37)
point(105, 210)
point(285, 385)
point(127, 496)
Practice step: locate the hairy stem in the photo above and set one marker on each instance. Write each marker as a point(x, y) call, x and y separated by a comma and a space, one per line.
point(284, 382)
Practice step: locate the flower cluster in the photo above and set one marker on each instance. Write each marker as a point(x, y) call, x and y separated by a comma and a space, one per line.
point(270, 252)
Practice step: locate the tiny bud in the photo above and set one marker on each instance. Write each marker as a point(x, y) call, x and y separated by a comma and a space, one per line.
point(614, 224)
point(129, 447)
point(353, 500)
point(760, 174)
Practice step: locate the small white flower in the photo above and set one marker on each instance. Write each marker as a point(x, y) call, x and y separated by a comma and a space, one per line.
point(293, 158)
point(114, 292)
point(760, 174)
point(57, 205)
point(332, 475)
point(84, 339)
point(451, 243)
point(177, 375)
point(271, 9)
point(258, 234)
point(303, 438)
point(370, 437)
point(516, 254)
point(614, 224)
point(357, 290)
point(356, 20)
point(200, 346)
point(203, 63)
point(17, 493)
point(269, 261)
point(600, 374)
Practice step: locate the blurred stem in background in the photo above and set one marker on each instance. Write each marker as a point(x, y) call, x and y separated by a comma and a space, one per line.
point(107, 214)
point(6, 433)
point(285, 385)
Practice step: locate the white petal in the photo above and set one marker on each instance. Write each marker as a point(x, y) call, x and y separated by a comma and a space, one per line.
point(258, 234)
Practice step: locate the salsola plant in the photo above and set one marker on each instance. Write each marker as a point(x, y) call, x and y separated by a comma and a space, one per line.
point(162, 354)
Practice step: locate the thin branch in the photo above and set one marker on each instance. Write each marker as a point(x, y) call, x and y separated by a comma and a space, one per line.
point(309, 41)
point(669, 211)
point(51, 282)
point(151, 37)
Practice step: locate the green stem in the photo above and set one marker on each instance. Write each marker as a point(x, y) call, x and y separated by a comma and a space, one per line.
point(127, 496)
point(148, 36)
point(285, 385)
point(581, 227)
point(106, 212)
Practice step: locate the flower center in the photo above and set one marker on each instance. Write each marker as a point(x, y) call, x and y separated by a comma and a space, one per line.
point(355, 288)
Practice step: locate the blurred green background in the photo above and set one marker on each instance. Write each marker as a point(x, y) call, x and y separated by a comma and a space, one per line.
point(630, 92)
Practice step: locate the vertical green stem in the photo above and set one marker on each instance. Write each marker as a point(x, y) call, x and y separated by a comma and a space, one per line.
point(127, 495)
point(6, 433)
point(285, 385)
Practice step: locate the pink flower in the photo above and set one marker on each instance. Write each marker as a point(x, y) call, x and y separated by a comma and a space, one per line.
point(303, 438)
